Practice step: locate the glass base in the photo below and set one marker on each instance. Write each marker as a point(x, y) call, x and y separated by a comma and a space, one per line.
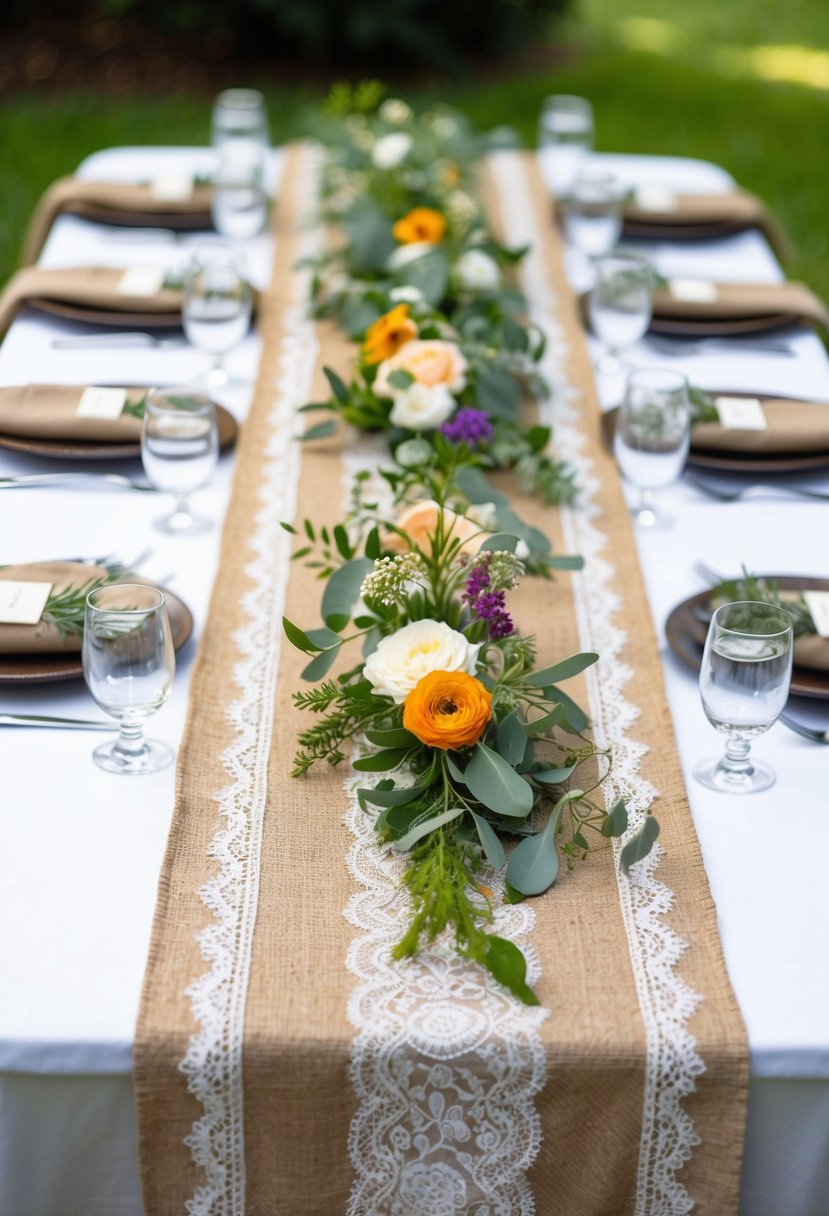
point(715, 774)
point(182, 523)
point(149, 758)
point(651, 517)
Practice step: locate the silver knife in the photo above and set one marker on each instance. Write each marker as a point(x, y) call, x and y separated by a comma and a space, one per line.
point(133, 338)
point(61, 723)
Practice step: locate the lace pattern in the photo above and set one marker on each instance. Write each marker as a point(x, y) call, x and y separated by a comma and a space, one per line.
point(666, 1002)
point(213, 1063)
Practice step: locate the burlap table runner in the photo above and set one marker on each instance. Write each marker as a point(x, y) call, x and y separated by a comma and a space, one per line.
point(312, 1109)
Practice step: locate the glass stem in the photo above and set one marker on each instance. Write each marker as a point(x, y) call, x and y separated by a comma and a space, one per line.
point(736, 762)
point(130, 739)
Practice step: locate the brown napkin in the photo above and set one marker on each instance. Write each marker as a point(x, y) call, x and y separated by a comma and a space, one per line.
point(44, 638)
point(113, 203)
point(49, 411)
point(744, 301)
point(90, 287)
point(812, 651)
point(793, 427)
point(733, 211)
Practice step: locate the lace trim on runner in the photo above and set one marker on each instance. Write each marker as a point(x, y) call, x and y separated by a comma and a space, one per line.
point(213, 1063)
point(668, 1135)
point(446, 1063)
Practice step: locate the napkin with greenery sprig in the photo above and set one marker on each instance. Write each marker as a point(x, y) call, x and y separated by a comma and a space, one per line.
point(61, 625)
point(93, 288)
point(50, 411)
point(792, 426)
point(810, 650)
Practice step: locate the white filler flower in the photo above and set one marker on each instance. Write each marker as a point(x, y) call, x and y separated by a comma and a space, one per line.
point(477, 271)
point(421, 407)
point(404, 658)
point(391, 150)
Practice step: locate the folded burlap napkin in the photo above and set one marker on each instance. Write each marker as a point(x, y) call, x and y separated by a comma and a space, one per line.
point(811, 651)
point(49, 411)
point(44, 638)
point(746, 301)
point(792, 427)
point(91, 287)
point(736, 209)
point(114, 202)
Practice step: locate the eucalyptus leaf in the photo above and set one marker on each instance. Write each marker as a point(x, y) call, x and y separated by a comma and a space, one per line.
point(553, 776)
point(321, 665)
point(381, 762)
point(428, 825)
point(455, 772)
point(320, 431)
point(499, 541)
point(491, 845)
point(323, 638)
point(496, 784)
point(298, 638)
point(394, 737)
point(511, 739)
point(430, 274)
point(381, 797)
point(575, 718)
point(342, 591)
point(507, 964)
point(540, 726)
point(498, 392)
point(616, 821)
point(476, 488)
point(533, 864)
point(563, 670)
point(640, 844)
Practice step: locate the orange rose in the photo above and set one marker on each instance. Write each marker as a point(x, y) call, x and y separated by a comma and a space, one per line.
point(447, 709)
point(388, 333)
point(421, 224)
point(420, 521)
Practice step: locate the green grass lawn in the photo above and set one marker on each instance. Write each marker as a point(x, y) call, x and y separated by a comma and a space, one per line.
point(664, 77)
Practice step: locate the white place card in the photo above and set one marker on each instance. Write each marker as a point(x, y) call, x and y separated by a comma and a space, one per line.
point(818, 604)
point(741, 413)
point(101, 402)
point(654, 197)
point(693, 291)
point(172, 187)
point(22, 603)
point(141, 281)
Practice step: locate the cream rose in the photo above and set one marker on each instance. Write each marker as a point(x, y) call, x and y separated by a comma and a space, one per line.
point(391, 150)
point(431, 361)
point(404, 658)
point(420, 524)
point(421, 408)
point(477, 271)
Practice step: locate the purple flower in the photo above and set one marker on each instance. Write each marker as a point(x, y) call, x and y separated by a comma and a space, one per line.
point(469, 426)
point(488, 606)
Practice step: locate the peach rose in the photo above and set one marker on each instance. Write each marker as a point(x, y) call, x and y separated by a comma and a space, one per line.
point(431, 361)
point(420, 524)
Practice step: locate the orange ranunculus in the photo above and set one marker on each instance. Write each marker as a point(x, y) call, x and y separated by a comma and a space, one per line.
point(421, 224)
point(388, 333)
point(447, 709)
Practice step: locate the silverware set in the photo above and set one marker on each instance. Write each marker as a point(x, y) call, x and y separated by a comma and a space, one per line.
point(682, 348)
point(53, 479)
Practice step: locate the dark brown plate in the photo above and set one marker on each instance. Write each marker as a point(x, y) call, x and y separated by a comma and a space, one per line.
point(688, 327)
point(49, 668)
point(686, 633)
point(109, 316)
point(75, 449)
point(682, 232)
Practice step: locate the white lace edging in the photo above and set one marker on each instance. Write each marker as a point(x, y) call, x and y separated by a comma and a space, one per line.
point(666, 1002)
point(213, 1063)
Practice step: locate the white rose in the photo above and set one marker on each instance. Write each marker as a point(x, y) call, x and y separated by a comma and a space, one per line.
point(477, 271)
point(391, 150)
point(404, 254)
point(421, 408)
point(407, 294)
point(403, 659)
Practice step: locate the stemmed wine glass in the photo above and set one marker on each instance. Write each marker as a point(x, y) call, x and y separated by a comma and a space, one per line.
point(239, 114)
point(179, 451)
point(565, 140)
point(652, 436)
point(128, 665)
point(620, 304)
point(217, 306)
point(592, 214)
point(240, 202)
point(744, 684)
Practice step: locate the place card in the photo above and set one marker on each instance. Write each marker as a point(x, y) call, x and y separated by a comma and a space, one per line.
point(141, 281)
point(173, 187)
point(741, 413)
point(818, 604)
point(654, 197)
point(693, 291)
point(101, 402)
point(22, 603)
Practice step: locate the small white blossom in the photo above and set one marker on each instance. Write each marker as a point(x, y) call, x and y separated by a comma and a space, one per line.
point(391, 150)
point(392, 579)
point(422, 407)
point(477, 271)
point(395, 111)
point(461, 207)
point(407, 294)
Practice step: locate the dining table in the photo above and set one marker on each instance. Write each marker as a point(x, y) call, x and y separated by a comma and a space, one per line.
point(81, 850)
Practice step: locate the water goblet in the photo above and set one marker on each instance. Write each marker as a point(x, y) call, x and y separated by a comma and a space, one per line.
point(240, 202)
point(216, 307)
point(565, 140)
point(592, 214)
point(240, 115)
point(744, 684)
point(179, 451)
point(652, 436)
point(620, 304)
point(128, 665)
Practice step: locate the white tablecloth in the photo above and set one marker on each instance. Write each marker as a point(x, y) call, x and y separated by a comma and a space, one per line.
point(80, 850)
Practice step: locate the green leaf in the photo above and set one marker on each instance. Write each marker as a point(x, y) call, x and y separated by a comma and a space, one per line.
point(297, 638)
point(428, 825)
point(342, 590)
point(397, 737)
point(320, 431)
point(324, 638)
point(496, 784)
point(401, 378)
point(616, 821)
point(511, 739)
point(508, 521)
point(477, 489)
point(372, 546)
point(498, 392)
point(342, 542)
point(553, 776)
point(430, 273)
point(575, 717)
point(321, 665)
point(391, 797)
point(491, 845)
point(567, 561)
point(507, 964)
point(382, 762)
point(540, 726)
point(533, 864)
point(515, 336)
point(455, 772)
point(640, 844)
point(337, 386)
point(501, 541)
point(562, 671)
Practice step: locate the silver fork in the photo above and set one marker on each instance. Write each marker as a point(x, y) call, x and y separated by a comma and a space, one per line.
point(134, 338)
point(61, 723)
point(755, 491)
point(698, 346)
point(49, 479)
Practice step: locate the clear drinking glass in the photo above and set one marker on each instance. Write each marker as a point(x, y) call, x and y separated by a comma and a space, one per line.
point(216, 308)
point(179, 451)
point(128, 665)
point(744, 684)
point(620, 304)
point(565, 140)
point(240, 114)
point(652, 436)
point(592, 214)
point(240, 202)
